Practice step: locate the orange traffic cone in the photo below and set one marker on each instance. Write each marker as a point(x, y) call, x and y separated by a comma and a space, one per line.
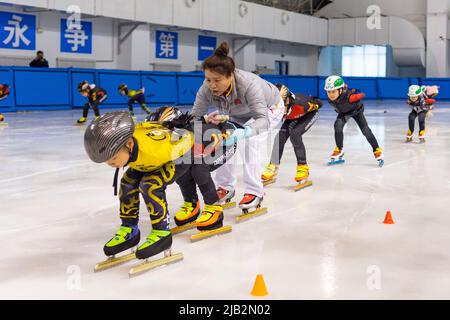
point(259, 288)
point(388, 219)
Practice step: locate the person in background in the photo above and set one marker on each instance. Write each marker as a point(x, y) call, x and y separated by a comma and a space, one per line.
point(348, 104)
point(39, 61)
point(420, 100)
point(95, 95)
point(134, 96)
point(4, 93)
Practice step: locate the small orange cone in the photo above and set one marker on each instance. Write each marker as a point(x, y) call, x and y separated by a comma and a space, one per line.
point(388, 219)
point(259, 288)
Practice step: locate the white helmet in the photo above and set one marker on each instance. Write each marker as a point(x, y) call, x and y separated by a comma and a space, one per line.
point(415, 91)
point(333, 83)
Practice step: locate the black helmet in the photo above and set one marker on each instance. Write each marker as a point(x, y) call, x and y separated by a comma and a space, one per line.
point(82, 86)
point(122, 86)
point(107, 134)
point(164, 114)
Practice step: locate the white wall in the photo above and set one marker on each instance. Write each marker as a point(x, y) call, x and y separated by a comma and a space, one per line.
point(437, 54)
point(411, 10)
point(245, 58)
point(49, 40)
point(303, 59)
point(222, 16)
point(138, 50)
point(187, 48)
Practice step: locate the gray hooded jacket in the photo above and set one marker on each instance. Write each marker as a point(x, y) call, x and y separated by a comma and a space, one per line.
point(250, 98)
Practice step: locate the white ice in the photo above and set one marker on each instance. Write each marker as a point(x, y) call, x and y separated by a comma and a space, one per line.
point(328, 241)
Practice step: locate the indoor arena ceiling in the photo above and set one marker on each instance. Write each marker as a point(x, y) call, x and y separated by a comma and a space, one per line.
point(299, 6)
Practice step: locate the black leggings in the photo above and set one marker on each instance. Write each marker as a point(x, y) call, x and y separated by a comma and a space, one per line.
point(293, 129)
point(139, 99)
point(152, 186)
point(360, 119)
point(412, 118)
point(94, 107)
point(199, 174)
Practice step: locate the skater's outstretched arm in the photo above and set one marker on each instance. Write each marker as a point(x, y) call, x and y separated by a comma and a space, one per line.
point(430, 101)
point(301, 106)
point(355, 97)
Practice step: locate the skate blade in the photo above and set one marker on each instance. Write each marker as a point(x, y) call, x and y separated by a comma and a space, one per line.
point(380, 163)
point(331, 163)
point(246, 216)
point(209, 233)
point(183, 228)
point(149, 265)
point(267, 182)
point(303, 185)
point(112, 262)
point(228, 205)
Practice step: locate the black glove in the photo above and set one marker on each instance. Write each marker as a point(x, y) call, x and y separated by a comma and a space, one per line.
point(183, 122)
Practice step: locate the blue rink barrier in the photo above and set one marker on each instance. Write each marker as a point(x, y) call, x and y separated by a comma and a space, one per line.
point(443, 83)
point(56, 88)
point(392, 88)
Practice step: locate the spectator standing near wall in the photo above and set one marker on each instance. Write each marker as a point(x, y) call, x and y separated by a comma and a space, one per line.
point(39, 61)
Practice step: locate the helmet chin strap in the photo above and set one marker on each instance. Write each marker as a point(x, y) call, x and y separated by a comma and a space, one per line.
point(116, 176)
point(116, 173)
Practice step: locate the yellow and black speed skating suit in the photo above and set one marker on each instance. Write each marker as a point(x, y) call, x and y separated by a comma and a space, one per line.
point(154, 164)
point(137, 96)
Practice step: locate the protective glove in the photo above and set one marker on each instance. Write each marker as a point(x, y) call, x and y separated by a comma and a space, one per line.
point(238, 134)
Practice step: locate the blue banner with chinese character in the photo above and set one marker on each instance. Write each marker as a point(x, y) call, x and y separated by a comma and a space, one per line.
point(17, 31)
point(166, 45)
point(76, 37)
point(206, 46)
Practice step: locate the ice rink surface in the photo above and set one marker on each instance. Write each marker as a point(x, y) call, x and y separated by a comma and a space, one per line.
point(328, 241)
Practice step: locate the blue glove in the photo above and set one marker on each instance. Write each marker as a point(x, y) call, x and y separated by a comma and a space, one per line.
point(237, 135)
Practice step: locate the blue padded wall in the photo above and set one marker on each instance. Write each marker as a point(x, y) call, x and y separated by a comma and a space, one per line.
point(56, 88)
point(160, 87)
point(366, 85)
point(110, 80)
point(274, 78)
point(320, 86)
point(188, 84)
point(39, 88)
point(306, 85)
point(392, 88)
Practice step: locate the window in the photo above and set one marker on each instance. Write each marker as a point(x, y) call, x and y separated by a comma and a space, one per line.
point(364, 61)
point(282, 67)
